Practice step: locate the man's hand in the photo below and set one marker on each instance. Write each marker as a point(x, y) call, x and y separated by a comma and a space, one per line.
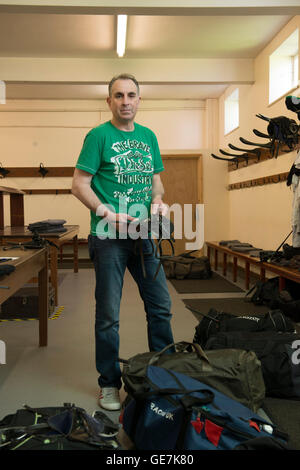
point(159, 207)
point(120, 220)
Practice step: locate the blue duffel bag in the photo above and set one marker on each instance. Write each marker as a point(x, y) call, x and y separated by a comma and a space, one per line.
point(172, 411)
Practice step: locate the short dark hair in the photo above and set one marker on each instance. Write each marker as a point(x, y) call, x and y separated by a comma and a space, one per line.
point(123, 76)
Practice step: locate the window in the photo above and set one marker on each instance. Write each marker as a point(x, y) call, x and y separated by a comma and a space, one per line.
point(283, 68)
point(231, 118)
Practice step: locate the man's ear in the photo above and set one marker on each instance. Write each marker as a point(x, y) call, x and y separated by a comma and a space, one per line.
point(108, 100)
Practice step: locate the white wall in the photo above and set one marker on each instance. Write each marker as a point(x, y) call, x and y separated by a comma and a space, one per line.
point(52, 133)
point(260, 215)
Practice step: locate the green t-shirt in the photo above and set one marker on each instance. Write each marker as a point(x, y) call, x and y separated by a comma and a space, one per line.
point(122, 164)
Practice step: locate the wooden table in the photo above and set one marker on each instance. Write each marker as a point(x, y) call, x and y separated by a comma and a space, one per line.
point(283, 272)
point(29, 263)
point(21, 234)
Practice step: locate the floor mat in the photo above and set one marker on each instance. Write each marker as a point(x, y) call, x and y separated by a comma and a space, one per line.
point(216, 284)
point(286, 415)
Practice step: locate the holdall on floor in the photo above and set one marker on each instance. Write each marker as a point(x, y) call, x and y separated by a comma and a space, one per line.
point(57, 428)
point(186, 266)
point(235, 373)
point(215, 321)
point(172, 411)
point(268, 293)
point(278, 353)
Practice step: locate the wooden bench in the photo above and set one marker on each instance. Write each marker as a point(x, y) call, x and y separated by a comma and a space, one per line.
point(263, 267)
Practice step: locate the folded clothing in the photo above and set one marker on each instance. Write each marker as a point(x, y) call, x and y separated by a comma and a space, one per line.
point(6, 269)
point(255, 252)
point(48, 226)
point(243, 247)
point(229, 242)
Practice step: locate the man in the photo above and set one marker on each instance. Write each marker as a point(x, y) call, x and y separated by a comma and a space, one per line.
point(117, 178)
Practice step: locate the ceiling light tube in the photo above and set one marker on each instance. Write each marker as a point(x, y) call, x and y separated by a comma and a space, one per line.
point(121, 35)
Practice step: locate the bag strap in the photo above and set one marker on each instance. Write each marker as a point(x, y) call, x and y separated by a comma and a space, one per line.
point(278, 320)
point(197, 348)
point(188, 254)
point(207, 398)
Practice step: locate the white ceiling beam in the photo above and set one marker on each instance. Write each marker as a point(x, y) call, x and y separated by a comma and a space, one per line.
point(146, 70)
point(155, 7)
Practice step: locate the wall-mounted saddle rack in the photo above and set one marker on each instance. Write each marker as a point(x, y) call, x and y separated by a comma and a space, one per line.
point(272, 179)
point(265, 154)
point(32, 172)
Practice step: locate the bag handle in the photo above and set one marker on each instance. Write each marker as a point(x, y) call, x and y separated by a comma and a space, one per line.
point(197, 348)
point(186, 400)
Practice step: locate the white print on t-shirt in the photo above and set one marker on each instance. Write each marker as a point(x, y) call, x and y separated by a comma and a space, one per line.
point(132, 162)
point(130, 144)
point(133, 166)
point(134, 195)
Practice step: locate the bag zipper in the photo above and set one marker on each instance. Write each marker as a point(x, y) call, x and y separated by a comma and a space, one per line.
point(218, 422)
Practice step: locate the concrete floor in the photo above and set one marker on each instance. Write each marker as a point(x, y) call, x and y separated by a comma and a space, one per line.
point(64, 371)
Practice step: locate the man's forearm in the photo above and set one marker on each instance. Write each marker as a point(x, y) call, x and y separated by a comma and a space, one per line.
point(86, 195)
point(157, 189)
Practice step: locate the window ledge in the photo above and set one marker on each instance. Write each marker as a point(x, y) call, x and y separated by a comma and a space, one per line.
point(283, 95)
point(232, 130)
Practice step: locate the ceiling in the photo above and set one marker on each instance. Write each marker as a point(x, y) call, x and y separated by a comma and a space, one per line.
point(73, 36)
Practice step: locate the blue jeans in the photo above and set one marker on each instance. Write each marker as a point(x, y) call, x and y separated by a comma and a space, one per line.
point(111, 258)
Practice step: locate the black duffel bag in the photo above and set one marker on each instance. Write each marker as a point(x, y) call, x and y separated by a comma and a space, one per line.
point(279, 354)
point(268, 293)
point(215, 321)
point(187, 266)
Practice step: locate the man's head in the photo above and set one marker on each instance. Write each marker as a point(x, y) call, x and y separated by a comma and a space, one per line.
point(123, 100)
point(123, 76)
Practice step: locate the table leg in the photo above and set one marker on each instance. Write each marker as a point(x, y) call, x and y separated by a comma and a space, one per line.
point(43, 303)
point(281, 283)
point(208, 253)
point(75, 249)
point(247, 275)
point(216, 259)
point(224, 264)
point(262, 274)
point(234, 269)
point(53, 270)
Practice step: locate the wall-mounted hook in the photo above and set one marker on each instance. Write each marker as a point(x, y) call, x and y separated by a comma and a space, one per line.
point(43, 170)
point(3, 171)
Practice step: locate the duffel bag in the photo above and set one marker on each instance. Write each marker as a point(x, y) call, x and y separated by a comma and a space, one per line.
point(277, 352)
point(215, 321)
point(186, 266)
point(172, 411)
point(235, 373)
point(268, 293)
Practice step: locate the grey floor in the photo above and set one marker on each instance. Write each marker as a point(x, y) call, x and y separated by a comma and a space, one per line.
point(64, 371)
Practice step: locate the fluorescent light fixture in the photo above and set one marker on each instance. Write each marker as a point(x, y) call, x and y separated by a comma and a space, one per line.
point(121, 34)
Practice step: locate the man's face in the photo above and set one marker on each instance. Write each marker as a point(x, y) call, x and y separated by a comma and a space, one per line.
point(124, 101)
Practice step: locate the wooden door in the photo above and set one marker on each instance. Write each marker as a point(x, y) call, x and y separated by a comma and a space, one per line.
point(182, 180)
